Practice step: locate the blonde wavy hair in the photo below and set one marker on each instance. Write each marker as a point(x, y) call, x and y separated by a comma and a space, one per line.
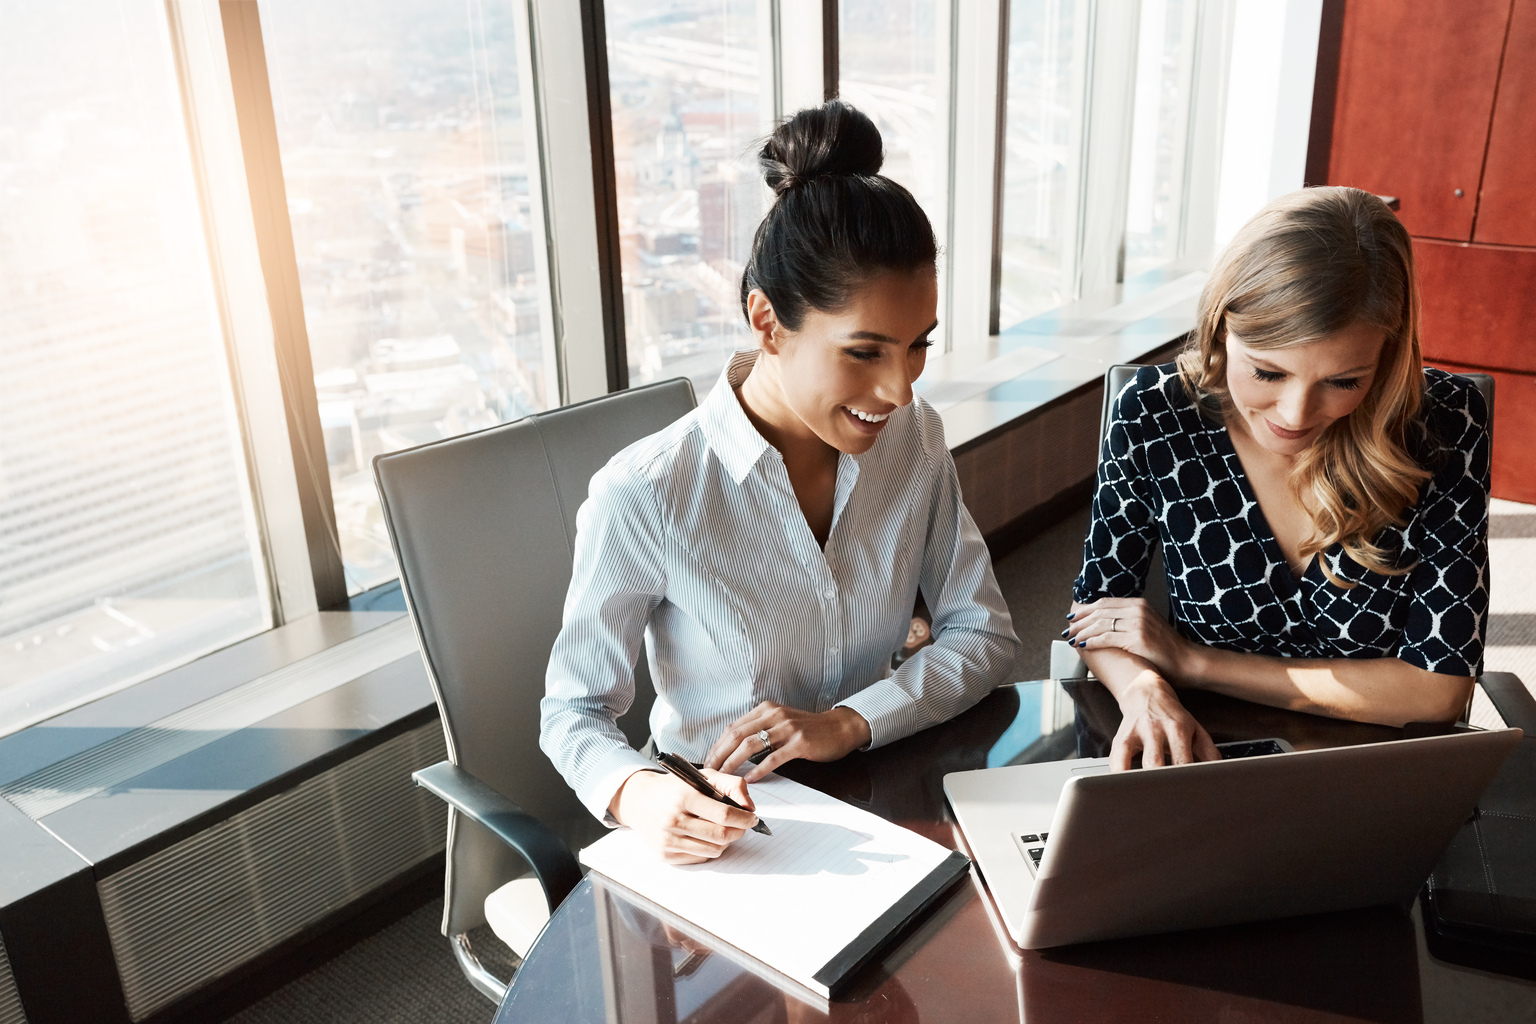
point(1312, 263)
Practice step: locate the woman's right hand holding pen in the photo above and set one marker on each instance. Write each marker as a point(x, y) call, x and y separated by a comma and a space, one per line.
point(683, 824)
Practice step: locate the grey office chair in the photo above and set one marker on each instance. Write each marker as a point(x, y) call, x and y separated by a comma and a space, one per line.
point(482, 526)
point(1065, 661)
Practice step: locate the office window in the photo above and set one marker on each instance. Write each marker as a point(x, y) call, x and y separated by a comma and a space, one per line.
point(126, 528)
point(893, 64)
point(1040, 159)
point(691, 93)
point(1164, 65)
point(401, 127)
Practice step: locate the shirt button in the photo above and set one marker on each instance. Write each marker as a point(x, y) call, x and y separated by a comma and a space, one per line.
point(827, 594)
point(834, 650)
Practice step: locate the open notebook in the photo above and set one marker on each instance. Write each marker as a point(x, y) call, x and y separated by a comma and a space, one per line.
point(816, 900)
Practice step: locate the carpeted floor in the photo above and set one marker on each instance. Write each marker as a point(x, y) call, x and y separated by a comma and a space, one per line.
point(1512, 607)
point(405, 973)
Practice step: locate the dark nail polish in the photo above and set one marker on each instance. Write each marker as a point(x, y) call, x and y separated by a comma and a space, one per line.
point(1071, 616)
point(1063, 632)
point(1082, 643)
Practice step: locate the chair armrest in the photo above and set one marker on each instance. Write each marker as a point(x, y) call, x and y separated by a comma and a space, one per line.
point(551, 859)
point(1514, 702)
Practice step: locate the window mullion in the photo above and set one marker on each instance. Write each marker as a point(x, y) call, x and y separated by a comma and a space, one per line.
point(1110, 96)
point(252, 96)
point(208, 101)
point(586, 311)
point(805, 51)
point(978, 91)
point(1207, 104)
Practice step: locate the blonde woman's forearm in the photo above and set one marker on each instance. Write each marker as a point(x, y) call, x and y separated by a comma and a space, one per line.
point(1385, 691)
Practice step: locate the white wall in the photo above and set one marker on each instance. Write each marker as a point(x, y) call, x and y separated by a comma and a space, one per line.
point(1273, 59)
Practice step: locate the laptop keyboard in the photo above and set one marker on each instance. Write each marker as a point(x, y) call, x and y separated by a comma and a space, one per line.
point(1032, 846)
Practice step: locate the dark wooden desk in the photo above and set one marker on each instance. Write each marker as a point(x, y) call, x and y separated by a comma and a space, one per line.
point(605, 959)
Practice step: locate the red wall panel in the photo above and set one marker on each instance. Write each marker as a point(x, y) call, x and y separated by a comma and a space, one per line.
point(1415, 93)
point(1479, 304)
point(1514, 424)
point(1506, 210)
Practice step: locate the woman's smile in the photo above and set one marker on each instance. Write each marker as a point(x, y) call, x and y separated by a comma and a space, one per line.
point(1288, 435)
point(870, 423)
point(1312, 385)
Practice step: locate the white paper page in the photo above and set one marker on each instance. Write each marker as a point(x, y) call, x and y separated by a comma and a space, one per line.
point(794, 899)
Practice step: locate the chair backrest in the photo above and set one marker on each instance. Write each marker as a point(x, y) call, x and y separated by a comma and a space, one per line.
point(1484, 383)
point(483, 527)
point(1114, 381)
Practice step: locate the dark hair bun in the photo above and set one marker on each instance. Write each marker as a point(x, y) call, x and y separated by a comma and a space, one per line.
point(834, 138)
point(837, 220)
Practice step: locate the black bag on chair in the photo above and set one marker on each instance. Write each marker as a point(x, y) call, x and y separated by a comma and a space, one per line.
point(1480, 903)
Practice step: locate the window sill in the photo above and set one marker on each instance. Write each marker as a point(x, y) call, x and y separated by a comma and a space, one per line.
point(237, 763)
point(987, 388)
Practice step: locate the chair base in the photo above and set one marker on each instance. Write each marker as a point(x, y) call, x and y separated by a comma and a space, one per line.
point(486, 983)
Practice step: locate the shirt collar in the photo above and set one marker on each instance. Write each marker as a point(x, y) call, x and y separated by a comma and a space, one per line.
point(730, 434)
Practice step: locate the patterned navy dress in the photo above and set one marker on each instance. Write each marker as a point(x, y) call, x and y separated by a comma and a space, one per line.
point(1169, 474)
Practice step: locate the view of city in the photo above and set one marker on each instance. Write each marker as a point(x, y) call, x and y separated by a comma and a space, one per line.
point(1163, 59)
point(1038, 157)
point(890, 66)
point(691, 92)
point(401, 129)
point(126, 537)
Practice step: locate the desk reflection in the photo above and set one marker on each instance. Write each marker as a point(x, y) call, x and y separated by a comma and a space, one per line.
point(1358, 966)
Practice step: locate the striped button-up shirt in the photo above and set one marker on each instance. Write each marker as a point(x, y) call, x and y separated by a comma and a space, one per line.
point(693, 539)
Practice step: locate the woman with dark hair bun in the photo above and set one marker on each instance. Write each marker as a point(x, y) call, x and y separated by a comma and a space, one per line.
point(771, 544)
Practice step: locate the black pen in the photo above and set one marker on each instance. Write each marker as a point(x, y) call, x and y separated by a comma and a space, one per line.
point(688, 773)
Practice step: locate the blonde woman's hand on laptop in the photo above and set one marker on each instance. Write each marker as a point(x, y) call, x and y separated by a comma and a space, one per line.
point(1155, 725)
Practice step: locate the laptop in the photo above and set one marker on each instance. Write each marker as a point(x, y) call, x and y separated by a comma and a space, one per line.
point(1073, 852)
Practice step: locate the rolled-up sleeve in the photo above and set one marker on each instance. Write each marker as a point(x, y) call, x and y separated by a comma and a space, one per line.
point(618, 577)
point(974, 647)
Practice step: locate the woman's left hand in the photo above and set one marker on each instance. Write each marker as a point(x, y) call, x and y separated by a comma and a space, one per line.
point(792, 733)
point(1130, 624)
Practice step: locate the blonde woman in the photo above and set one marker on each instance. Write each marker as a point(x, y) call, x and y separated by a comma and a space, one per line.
point(1320, 496)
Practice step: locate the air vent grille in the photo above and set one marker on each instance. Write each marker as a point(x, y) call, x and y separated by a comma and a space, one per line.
point(10, 1000)
point(195, 911)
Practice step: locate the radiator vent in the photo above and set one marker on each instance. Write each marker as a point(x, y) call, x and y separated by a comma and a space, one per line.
point(195, 911)
point(10, 1000)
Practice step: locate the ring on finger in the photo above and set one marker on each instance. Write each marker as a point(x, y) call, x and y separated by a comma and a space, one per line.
point(762, 737)
point(1114, 625)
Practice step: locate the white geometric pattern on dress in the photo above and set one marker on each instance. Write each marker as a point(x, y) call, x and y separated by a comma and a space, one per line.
point(1169, 475)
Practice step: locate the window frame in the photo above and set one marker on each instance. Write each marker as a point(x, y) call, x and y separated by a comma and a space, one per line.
point(563, 68)
point(221, 64)
point(199, 50)
point(221, 68)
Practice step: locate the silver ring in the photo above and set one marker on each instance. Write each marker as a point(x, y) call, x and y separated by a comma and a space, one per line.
point(762, 736)
point(1114, 625)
